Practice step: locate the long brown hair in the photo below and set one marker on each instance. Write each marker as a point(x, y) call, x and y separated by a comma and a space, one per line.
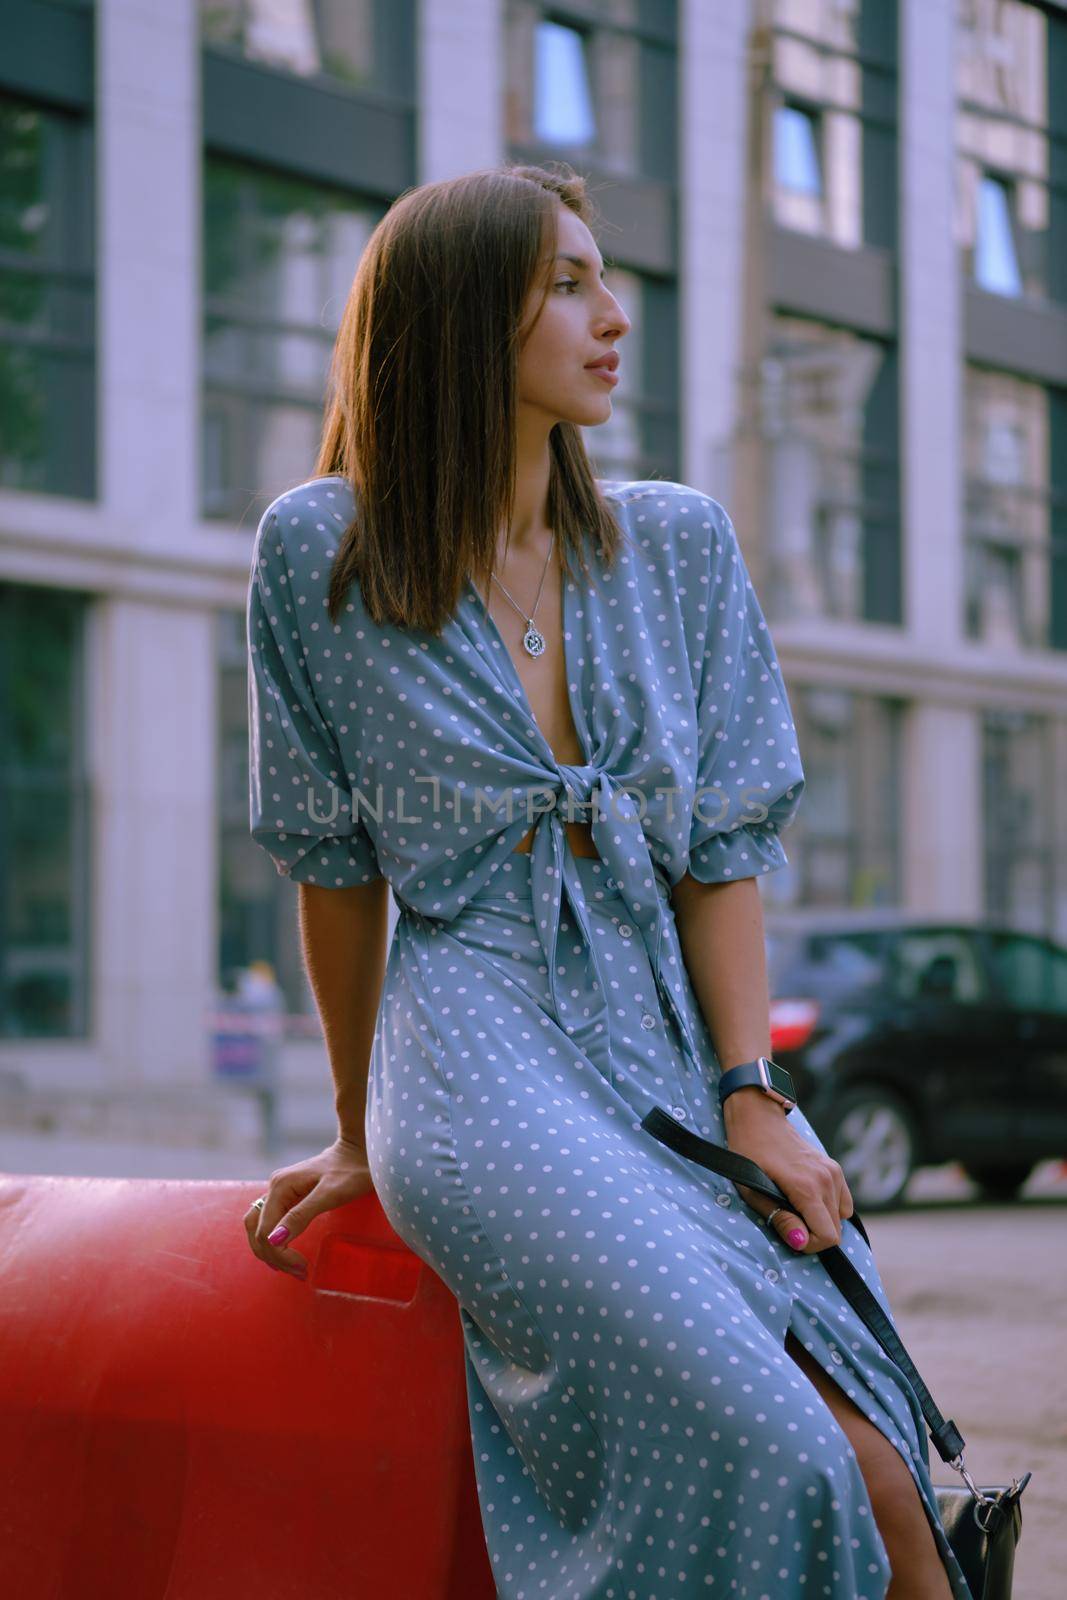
point(422, 394)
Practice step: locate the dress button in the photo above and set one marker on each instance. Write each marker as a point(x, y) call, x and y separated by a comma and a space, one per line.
point(770, 1275)
point(625, 929)
point(679, 1111)
point(723, 1200)
point(648, 1021)
point(836, 1357)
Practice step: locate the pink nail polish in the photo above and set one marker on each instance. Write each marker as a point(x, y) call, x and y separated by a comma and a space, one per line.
point(797, 1238)
point(279, 1236)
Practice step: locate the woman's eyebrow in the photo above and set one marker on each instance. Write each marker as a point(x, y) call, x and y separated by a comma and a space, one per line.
point(579, 261)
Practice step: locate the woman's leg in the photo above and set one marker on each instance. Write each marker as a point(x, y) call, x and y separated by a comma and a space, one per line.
point(918, 1571)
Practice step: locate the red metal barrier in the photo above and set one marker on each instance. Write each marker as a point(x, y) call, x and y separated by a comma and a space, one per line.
point(177, 1422)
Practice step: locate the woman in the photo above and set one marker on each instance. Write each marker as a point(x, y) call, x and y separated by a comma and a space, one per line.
point(570, 757)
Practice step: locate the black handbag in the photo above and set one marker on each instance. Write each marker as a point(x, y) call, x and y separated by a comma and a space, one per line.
point(982, 1525)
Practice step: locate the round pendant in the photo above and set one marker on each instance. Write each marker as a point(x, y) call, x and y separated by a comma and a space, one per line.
point(533, 641)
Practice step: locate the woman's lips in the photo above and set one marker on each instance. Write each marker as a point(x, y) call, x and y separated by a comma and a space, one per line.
point(604, 373)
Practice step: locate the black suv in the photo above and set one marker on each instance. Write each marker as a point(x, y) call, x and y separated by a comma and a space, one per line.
point(914, 1042)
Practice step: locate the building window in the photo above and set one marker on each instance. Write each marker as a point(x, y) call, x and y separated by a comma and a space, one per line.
point(1011, 204)
point(832, 105)
point(845, 840)
point(257, 906)
point(47, 301)
point(798, 168)
point(996, 255)
point(563, 97)
point(594, 82)
point(279, 258)
point(828, 403)
point(350, 42)
point(44, 816)
point(1016, 532)
point(1025, 871)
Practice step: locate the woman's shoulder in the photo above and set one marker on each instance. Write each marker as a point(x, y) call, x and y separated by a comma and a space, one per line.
point(320, 507)
point(684, 534)
point(299, 534)
point(674, 498)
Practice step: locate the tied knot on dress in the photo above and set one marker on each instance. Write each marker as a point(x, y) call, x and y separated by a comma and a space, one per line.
point(619, 836)
point(580, 782)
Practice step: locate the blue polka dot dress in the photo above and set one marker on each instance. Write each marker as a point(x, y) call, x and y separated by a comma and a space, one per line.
point(639, 1431)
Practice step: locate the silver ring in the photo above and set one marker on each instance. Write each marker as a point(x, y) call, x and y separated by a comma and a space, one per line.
point(774, 1213)
point(260, 1203)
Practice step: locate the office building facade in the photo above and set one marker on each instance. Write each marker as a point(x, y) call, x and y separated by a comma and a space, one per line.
point(839, 228)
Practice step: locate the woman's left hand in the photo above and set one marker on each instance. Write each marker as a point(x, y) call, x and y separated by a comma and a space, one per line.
point(814, 1183)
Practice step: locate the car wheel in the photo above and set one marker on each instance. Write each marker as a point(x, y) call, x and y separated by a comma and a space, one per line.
point(999, 1183)
point(871, 1134)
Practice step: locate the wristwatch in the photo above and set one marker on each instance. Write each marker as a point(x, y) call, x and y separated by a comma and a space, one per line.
point(763, 1073)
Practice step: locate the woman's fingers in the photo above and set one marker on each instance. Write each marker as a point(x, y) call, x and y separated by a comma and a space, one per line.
point(285, 1214)
point(812, 1220)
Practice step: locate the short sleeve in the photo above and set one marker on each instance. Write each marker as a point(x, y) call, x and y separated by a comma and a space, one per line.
point(749, 774)
point(300, 801)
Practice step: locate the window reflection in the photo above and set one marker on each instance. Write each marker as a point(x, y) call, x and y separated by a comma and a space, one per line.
point(1005, 209)
point(44, 816)
point(845, 840)
point(1026, 877)
point(996, 260)
point(257, 907)
point(47, 302)
point(597, 90)
point(305, 37)
point(834, 118)
point(1011, 563)
point(796, 151)
point(828, 402)
point(563, 101)
point(280, 255)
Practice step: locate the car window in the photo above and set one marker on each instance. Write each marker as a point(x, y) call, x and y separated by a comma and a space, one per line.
point(829, 960)
point(1031, 974)
point(937, 964)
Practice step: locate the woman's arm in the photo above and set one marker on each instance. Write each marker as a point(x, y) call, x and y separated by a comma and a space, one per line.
point(720, 929)
point(343, 934)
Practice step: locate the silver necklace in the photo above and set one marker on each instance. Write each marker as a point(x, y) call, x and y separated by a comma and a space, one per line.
point(533, 640)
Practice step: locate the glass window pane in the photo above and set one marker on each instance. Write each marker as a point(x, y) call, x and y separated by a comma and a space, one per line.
point(1023, 969)
point(563, 101)
point(1010, 203)
point(832, 151)
point(996, 265)
point(827, 409)
point(44, 816)
point(845, 842)
point(796, 152)
point(1021, 861)
point(1009, 509)
point(307, 37)
point(257, 907)
point(279, 259)
point(47, 301)
point(938, 966)
point(605, 85)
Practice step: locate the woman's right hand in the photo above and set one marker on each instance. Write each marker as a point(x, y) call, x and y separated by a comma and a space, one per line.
point(296, 1194)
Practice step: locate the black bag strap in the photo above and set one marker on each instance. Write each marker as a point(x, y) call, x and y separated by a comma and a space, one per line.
point(947, 1438)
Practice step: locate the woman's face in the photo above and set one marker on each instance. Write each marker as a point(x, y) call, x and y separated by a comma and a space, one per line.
point(581, 322)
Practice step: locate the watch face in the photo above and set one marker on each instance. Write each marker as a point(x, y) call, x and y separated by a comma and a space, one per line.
point(780, 1079)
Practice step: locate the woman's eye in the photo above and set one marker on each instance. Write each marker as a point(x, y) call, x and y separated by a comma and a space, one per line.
point(568, 283)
